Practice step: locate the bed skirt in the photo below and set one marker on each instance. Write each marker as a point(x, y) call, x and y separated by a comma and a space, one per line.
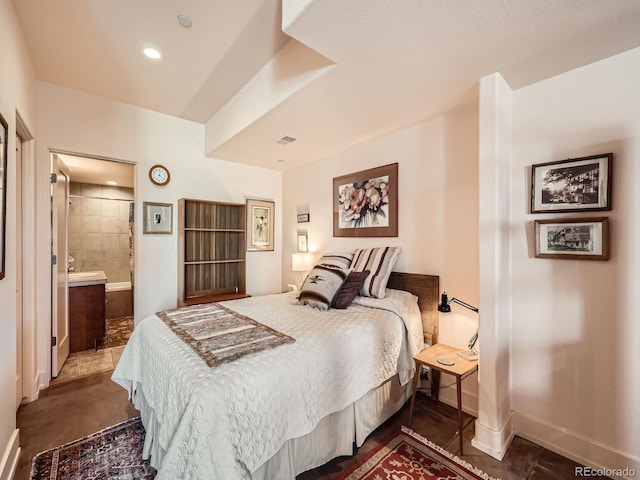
point(333, 436)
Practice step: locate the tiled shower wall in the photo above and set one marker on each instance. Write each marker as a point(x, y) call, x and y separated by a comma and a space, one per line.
point(99, 229)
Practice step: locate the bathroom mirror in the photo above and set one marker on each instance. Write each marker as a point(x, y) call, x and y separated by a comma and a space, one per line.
point(4, 132)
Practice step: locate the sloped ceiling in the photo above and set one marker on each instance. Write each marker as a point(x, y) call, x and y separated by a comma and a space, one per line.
point(328, 73)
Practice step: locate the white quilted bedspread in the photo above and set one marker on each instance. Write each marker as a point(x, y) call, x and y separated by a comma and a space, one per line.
point(224, 422)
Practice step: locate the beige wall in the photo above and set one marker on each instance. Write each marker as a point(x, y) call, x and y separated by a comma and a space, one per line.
point(99, 229)
point(17, 95)
point(575, 323)
point(438, 212)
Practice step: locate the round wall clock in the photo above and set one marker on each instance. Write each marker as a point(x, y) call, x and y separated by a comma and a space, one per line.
point(159, 175)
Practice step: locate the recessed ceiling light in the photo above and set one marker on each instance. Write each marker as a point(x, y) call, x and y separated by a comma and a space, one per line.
point(112, 182)
point(152, 53)
point(185, 21)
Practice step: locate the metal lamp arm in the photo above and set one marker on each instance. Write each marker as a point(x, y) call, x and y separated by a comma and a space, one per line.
point(444, 307)
point(466, 305)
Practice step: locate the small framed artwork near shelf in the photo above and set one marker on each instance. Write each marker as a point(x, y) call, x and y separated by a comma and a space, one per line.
point(157, 218)
point(572, 185)
point(260, 225)
point(302, 242)
point(303, 217)
point(573, 238)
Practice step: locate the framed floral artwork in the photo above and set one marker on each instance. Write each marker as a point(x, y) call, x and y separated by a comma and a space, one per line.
point(365, 204)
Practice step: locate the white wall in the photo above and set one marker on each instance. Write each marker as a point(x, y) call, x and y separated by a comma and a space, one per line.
point(575, 355)
point(81, 123)
point(438, 211)
point(17, 94)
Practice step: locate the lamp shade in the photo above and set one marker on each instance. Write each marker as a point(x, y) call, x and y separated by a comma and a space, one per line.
point(301, 262)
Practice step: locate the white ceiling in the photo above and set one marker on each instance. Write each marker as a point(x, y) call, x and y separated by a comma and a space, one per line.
point(97, 171)
point(328, 72)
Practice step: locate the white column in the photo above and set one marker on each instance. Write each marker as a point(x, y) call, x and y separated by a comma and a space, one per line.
point(493, 427)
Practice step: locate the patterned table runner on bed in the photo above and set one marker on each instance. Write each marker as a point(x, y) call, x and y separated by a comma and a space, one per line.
point(220, 335)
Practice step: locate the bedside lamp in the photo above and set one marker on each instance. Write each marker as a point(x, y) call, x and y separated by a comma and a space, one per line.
point(445, 307)
point(301, 262)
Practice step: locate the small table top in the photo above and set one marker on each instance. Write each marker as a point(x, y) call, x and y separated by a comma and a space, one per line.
point(430, 357)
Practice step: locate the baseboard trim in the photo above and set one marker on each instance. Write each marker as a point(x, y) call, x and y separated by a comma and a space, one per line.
point(574, 446)
point(34, 392)
point(10, 457)
point(494, 443)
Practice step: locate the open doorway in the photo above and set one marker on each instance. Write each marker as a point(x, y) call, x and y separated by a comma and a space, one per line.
point(99, 262)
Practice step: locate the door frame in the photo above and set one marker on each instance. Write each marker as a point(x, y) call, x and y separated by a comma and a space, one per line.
point(19, 273)
point(59, 289)
point(28, 187)
point(44, 347)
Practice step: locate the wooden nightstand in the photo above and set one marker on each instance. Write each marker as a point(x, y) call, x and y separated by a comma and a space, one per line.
point(460, 369)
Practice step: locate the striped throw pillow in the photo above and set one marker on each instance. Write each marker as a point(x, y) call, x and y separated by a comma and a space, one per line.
point(380, 262)
point(321, 285)
point(342, 260)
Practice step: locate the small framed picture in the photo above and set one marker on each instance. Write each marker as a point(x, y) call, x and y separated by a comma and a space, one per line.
point(573, 185)
point(157, 218)
point(302, 243)
point(573, 238)
point(303, 218)
point(260, 225)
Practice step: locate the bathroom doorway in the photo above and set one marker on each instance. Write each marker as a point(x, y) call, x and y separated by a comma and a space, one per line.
point(100, 233)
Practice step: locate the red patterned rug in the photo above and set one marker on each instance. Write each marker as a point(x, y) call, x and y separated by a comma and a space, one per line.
point(408, 456)
point(114, 453)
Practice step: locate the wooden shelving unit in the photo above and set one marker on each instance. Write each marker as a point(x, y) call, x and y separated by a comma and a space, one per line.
point(211, 251)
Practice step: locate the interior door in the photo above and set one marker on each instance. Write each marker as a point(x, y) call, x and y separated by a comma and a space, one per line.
point(19, 226)
point(59, 295)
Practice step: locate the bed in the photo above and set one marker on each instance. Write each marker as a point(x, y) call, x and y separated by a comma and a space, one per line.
point(281, 411)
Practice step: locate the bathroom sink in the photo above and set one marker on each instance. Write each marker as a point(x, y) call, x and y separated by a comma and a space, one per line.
point(86, 278)
point(78, 275)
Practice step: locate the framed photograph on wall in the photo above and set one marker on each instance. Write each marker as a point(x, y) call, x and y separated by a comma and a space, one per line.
point(4, 132)
point(157, 218)
point(573, 238)
point(260, 225)
point(365, 204)
point(573, 185)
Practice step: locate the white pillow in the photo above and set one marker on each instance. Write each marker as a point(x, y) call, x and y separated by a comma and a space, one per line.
point(380, 262)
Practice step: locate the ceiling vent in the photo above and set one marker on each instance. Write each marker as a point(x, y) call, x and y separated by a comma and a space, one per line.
point(285, 140)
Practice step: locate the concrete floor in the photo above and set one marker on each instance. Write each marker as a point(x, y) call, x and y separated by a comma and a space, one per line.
point(76, 408)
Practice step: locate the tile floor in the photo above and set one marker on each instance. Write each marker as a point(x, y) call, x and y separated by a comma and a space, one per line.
point(88, 362)
point(104, 359)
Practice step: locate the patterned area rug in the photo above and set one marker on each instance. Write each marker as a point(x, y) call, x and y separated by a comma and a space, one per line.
point(408, 456)
point(114, 453)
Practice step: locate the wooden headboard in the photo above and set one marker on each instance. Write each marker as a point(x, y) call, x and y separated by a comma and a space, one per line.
point(427, 289)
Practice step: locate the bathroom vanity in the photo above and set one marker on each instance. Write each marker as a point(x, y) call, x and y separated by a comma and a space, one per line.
point(86, 309)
